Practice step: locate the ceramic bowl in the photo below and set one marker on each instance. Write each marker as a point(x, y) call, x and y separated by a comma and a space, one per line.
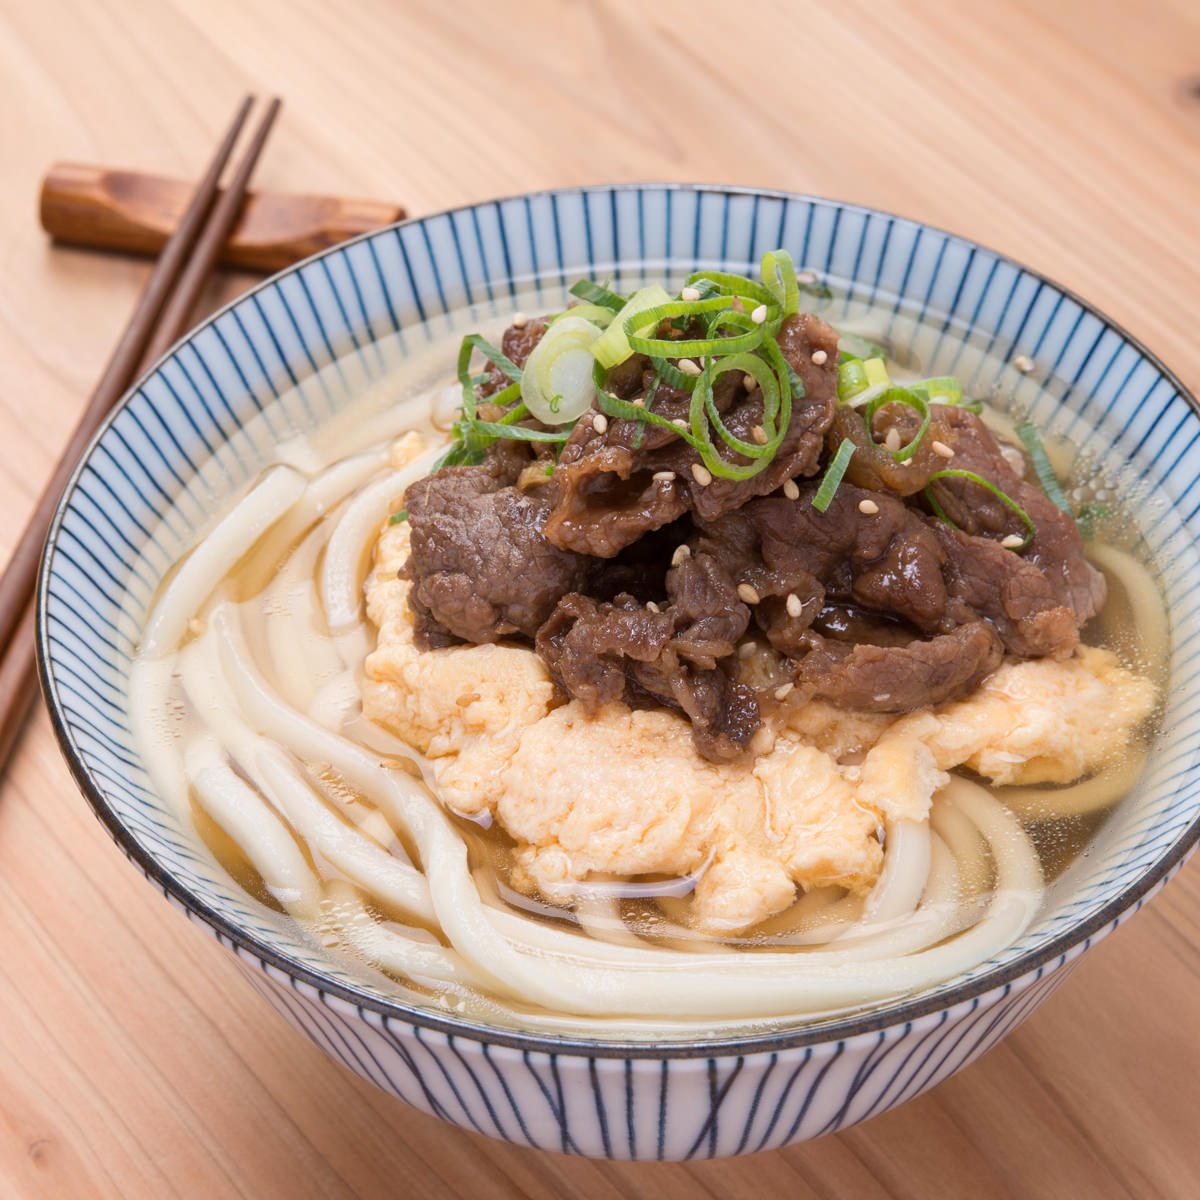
point(315, 333)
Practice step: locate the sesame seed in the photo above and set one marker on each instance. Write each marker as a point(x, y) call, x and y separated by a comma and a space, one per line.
point(806, 277)
point(689, 366)
point(663, 476)
point(794, 605)
point(759, 434)
point(759, 315)
point(689, 293)
point(652, 607)
point(820, 357)
point(749, 382)
point(197, 625)
point(681, 555)
point(882, 697)
point(640, 402)
point(600, 423)
point(747, 649)
point(1012, 541)
point(701, 475)
point(747, 594)
point(791, 490)
point(737, 305)
point(942, 450)
point(869, 507)
point(679, 423)
point(782, 693)
point(1023, 363)
point(892, 441)
point(520, 320)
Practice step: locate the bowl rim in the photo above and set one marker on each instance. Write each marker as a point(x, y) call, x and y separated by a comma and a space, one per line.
point(873, 1020)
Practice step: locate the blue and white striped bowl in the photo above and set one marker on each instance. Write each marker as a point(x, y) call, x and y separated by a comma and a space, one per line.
point(319, 330)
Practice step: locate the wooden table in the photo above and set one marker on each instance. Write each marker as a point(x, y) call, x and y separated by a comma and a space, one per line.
point(134, 1060)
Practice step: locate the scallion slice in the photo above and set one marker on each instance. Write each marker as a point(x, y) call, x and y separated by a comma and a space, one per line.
point(899, 395)
point(597, 294)
point(779, 276)
point(833, 476)
point(944, 389)
point(954, 473)
point(612, 346)
point(557, 382)
point(656, 347)
point(398, 518)
point(854, 345)
point(1031, 440)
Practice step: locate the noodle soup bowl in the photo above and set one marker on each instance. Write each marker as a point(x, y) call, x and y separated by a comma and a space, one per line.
point(373, 318)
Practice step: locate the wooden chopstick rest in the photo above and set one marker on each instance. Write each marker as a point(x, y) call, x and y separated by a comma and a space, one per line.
point(128, 210)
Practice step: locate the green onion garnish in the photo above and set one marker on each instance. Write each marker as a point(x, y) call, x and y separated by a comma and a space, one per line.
point(779, 277)
point(854, 345)
point(953, 473)
point(691, 347)
point(945, 389)
point(899, 395)
point(852, 379)
point(399, 517)
point(833, 476)
point(1087, 517)
point(1032, 442)
point(612, 346)
point(598, 294)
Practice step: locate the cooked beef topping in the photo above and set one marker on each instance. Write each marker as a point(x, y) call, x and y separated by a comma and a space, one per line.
point(892, 678)
point(638, 573)
point(480, 565)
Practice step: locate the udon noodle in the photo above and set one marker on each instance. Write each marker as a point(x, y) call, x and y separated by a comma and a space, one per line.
point(256, 645)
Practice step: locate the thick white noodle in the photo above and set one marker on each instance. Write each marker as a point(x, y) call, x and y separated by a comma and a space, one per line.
point(260, 834)
point(1102, 791)
point(345, 553)
point(1145, 602)
point(208, 563)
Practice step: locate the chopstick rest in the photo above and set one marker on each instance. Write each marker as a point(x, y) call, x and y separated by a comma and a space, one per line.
point(127, 210)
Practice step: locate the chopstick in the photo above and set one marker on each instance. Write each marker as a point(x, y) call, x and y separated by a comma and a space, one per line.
point(159, 319)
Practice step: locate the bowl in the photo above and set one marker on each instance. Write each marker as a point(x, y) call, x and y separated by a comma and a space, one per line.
point(191, 430)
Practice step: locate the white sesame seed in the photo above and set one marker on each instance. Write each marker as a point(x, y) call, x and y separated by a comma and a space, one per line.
point(782, 693)
point(663, 476)
point(942, 450)
point(869, 507)
point(701, 475)
point(891, 441)
point(197, 626)
point(882, 697)
point(806, 277)
point(679, 423)
point(791, 490)
point(689, 366)
point(681, 555)
point(759, 434)
point(759, 315)
point(640, 402)
point(794, 605)
point(600, 423)
point(1023, 363)
point(520, 320)
point(749, 382)
point(747, 649)
point(747, 594)
point(820, 357)
point(1012, 541)
point(689, 293)
point(652, 607)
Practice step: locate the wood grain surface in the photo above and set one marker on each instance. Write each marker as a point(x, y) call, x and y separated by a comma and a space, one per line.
point(134, 1061)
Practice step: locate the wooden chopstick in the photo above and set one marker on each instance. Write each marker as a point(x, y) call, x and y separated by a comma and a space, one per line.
point(179, 275)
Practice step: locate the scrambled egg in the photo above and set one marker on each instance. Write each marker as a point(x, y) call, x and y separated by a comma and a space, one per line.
point(625, 793)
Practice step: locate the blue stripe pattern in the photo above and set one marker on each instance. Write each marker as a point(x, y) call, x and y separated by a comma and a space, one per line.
point(296, 349)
